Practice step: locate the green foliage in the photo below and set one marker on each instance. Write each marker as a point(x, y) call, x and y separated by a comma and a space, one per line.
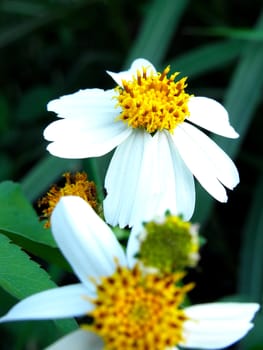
point(18, 217)
point(30, 279)
point(157, 30)
point(251, 272)
point(20, 276)
point(205, 58)
point(241, 99)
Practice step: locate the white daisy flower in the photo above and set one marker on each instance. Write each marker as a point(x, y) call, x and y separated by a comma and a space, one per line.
point(126, 309)
point(150, 119)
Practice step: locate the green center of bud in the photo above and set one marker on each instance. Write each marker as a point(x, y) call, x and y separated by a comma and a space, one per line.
point(170, 245)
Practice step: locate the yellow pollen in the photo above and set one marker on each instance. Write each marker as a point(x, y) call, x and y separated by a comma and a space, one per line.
point(153, 102)
point(137, 311)
point(76, 185)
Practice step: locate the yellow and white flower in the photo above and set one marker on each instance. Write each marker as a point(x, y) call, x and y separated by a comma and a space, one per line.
point(126, 308)
point(150, 118)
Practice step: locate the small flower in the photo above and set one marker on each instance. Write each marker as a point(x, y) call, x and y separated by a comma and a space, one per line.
point(150, 118)
point(75, 185)
point(127, 309)
point(166, 244)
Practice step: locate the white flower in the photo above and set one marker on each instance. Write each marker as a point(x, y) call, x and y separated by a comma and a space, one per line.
point(109, 285)
point(150, 119)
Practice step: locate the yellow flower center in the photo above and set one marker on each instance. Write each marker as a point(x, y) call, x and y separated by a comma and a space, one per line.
point(153, 102)
point(137, 311)
point(75, 185)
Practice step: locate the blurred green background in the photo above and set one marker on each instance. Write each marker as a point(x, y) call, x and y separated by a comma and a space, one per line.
point(53, 47)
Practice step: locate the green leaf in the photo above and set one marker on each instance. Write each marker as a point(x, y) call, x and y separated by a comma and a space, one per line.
point(242, 97)
point(244, 93)
point(17, 215)
point(251, 268)
point(234, 33)
point(21, 277)
point(47, 253)
point(20, 282)
point(206, 58)
point(159, 25)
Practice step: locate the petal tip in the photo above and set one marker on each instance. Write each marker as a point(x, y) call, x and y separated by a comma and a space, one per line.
point(51, 106)
point(233, 134)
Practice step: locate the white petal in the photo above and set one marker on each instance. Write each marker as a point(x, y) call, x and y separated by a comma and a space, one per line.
point(170, 187)
point(183, 179)
point(132, 192)
point(90, 128)
point(85, 240)
point(138, 64)
point(68, 301)
point(122, 178)
point(165, 182)
point(196, 150)
point(145, 196)
point(84, 103)
point(133, 245)
point(224, 311)
point(64, 129)
point(217, 325)
point(78, 340)
point(224, 167)
point(210, 115)
point(74, 138)
point(147, 177)
point(214, 334)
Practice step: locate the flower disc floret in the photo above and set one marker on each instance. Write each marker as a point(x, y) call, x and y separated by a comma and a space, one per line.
point(170, 245)
point(75, 185)
point(153, 102)
point(137, 311)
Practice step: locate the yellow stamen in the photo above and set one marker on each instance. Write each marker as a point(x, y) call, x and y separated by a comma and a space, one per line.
point(75, 185)
point(153, 102)
point(137, 311)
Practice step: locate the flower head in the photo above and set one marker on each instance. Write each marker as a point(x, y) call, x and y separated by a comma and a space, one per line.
point(151, 120)
point(75, 185)
point(134, 310)
point(166, 244)
point(153, 102)
point(119, 299)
